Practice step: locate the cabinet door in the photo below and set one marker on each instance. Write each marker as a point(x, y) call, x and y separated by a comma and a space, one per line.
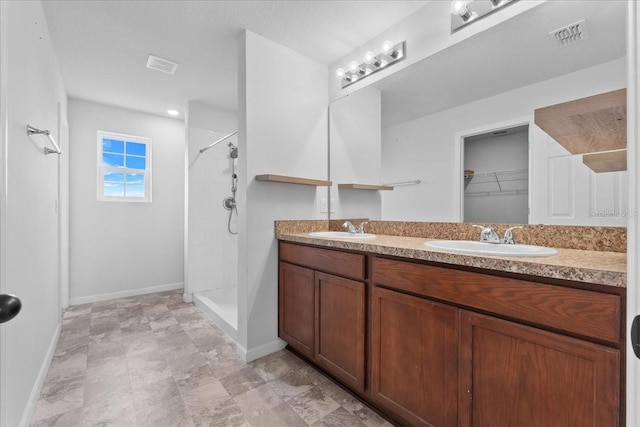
point(296, 299)
point(340, 320)
point(415, 358)
point(514, 375)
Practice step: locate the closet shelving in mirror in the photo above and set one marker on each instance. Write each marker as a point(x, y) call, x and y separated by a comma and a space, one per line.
point(497, 182)
point(284, 179)
point(364, 187)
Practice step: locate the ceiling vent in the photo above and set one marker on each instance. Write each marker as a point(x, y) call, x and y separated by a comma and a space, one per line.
point(570, 34)
point(161, 64)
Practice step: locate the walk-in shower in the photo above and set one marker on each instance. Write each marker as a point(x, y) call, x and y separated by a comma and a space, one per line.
point(212, 255)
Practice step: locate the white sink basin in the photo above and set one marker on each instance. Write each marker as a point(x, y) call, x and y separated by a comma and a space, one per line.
point(341, 235)
point(492, 249)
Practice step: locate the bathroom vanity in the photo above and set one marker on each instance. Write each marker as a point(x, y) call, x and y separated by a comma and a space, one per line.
point(437, 339)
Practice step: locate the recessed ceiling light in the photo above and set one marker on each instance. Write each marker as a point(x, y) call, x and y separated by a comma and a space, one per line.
point(173, 112)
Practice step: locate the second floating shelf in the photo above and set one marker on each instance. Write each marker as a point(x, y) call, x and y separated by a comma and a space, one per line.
point(283, 179)
point(364, 187)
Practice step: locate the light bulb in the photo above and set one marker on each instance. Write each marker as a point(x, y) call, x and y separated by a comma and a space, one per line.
point(369, 57)
point(459, 7)
point(340, 73)
point(354, 67)
point(387, 48)
point(173, 112)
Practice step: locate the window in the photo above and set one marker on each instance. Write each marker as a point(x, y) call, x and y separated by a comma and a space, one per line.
point(124, 168)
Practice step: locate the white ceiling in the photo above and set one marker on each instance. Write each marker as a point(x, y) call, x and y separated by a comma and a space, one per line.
point(510, 55)
point(102, 46)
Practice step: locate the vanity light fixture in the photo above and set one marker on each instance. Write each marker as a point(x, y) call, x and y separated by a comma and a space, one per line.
point(459, 7)
point(463, 12)
point(355, 71)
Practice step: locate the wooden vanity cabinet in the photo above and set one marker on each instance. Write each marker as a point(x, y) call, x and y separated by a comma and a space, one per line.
point(322, 315)
point(296, 303)
point(414, 364)
point(435, 345)
point(510, 372)
point(515, 375)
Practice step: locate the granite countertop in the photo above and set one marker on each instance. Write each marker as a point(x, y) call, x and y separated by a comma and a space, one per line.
point(598, 267)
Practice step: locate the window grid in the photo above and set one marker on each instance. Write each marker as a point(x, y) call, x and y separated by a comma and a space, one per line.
point(124, 168)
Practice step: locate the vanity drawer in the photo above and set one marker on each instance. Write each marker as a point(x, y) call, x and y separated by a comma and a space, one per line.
point(578, 311)
point(327, 260)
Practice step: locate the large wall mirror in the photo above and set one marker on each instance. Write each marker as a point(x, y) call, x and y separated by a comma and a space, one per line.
point(471, 106)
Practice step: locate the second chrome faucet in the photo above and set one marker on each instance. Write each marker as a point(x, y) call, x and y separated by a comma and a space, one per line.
point(353, 229)
point(490, 235)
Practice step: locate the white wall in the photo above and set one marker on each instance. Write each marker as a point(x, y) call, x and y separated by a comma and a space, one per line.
point(31, 92)
point(283, 130)
point(356, 139)
point(118, 248)
point(425, 148)
point(213, 251)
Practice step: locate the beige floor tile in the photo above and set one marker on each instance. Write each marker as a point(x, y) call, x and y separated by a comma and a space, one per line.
point(241, 381)
point(312, 405)
point(281, 415)
point(71, 418)
point(153, 360)
point(225, 414)
point(147, 368)
point(339, 418)
point(60, 394)
point(168, 413)
point(258, 401)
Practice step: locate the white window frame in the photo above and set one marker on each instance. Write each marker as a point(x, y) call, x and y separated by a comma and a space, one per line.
point(101, 169)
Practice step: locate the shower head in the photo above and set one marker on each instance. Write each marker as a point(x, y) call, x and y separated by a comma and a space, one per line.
point(233, 150)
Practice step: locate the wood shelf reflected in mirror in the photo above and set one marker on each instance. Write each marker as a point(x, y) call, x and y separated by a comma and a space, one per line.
point(587, 125)
point(364, 187)
point(283, 179)
point(606, 161)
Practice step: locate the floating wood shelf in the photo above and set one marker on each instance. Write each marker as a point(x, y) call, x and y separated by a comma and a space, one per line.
point(364, 187)
point(607, 161)
point(293, 180)
point(587, 125)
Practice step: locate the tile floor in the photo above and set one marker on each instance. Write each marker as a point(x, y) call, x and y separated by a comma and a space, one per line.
point(153, 360)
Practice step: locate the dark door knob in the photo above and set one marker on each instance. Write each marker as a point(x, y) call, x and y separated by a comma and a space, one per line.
point(10, 306)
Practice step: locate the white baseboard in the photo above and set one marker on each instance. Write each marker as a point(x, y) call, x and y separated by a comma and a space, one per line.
point(42, 375)
point(261, 350)
point(124, 294)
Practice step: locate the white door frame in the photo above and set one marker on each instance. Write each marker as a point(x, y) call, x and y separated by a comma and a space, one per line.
point(458, 159)
point(633, 228)
point(3, 203)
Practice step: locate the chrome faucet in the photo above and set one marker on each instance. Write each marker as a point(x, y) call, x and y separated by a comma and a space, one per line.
point(508, 236)
point(353, 229)
point(488, 234)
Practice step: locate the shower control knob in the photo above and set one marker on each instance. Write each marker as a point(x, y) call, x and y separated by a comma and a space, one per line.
point(229, 203)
